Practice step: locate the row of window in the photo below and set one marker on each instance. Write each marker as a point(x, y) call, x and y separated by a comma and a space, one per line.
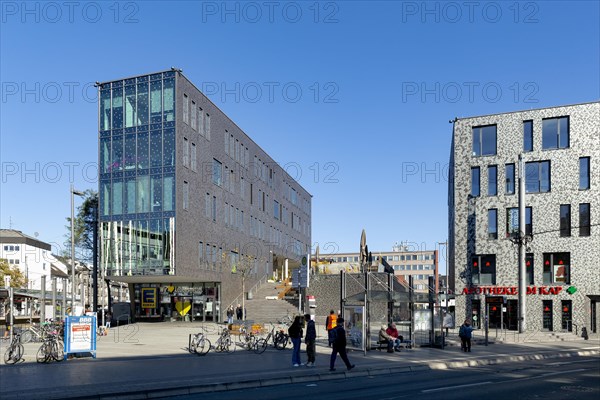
point(556, 269)
point(415, 267)
point(11, 248)
point(141, 194)
point(512, 221)
point(537, 177)
point(13, 262)
point(402, 257)
point(555, 135)
point(195, 117)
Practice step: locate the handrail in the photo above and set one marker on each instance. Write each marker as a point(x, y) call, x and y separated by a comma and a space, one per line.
point(260, 282)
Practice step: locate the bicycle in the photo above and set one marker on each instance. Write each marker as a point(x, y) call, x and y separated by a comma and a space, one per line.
point(51, 349)
point(35, 332)
point(15, 350)
point(278, 337)
point(199, 344)
point(224, 343)
point(247, 339)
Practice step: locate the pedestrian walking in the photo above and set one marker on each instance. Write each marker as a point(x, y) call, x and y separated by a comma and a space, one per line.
point(7, 323)
point(295, 333)
point(310, 340)
point(239, 312)
point(339, 346)
point(330, 324)
point(230, 315)
point(464, 333)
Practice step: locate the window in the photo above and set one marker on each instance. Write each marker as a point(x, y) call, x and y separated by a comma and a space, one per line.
point(492, 180)
point(226, 142)
point(207, 126)
point(584, 219)
point(565, 220)
point(510, 178)
point(483, 269)
point(492, 223)
point(217, 172)
point(200, 251)
point(527, 136)
point(214, 208)
point(186, 195)
point(484, 140)
point(584, 173)
point(194, 113)
point(193, 158)
point(537, 177)
point(276, 209)
point(512, 221)
point(242, 188)
point(555, 133)
point(529, 268)
point(186, 109)
point(200, 121)
point(475, 181)
point(557, 268)
point(186, 153)
point(207, 206)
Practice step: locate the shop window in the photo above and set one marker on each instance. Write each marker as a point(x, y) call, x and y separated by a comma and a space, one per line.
point(557, 268)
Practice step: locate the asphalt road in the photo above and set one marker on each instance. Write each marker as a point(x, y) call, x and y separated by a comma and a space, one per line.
point(577, 378)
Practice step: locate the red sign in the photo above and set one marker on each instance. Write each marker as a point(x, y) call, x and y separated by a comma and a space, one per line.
point(511, 290)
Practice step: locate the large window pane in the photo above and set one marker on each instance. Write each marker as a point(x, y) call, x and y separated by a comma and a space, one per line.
point(156, 102)
point(584, 173)
point(142, 104)
point(142, 150)
point(169, 147)
point(105, 198)
point(117, 108)
point(105, 111)
point(129, 196)
point(169, 100)
point(527, 136)
point(130, 155)
point(555, 133)
point(537, 177)
point(169, 193)
point(117, 153)
point(117, 197)
point(492, 180)
point(157, 192)
point(217, 172)
point(143, 194)
point(584, 219)
point(510, 178)
point(493, 223)
point(105, 155)
point(130, 106)
point(484, 140)
point(155, 148)
point(565, 220)
point(475, 181)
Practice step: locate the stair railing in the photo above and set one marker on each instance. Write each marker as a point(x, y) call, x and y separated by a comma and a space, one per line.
point(253, 289)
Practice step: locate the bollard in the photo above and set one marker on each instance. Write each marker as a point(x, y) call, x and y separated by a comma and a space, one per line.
point(584, 333)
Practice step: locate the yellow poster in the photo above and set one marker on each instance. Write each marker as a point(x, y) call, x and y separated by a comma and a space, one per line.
point(149, 297)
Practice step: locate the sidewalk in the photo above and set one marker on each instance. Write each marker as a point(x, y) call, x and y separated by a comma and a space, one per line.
point(151, 360)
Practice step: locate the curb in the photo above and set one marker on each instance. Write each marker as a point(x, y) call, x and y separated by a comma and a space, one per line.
point(128, 393)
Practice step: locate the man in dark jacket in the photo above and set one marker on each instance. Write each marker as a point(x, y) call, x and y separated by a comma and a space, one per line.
point(339, 346)
point(310, 339)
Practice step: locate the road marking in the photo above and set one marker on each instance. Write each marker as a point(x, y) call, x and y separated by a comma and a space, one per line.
point(455, 387)
point(543, 375)
point(572, 362)
point(311, 384)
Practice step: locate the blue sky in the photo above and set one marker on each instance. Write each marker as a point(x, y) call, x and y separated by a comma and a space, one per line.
point(361, 94)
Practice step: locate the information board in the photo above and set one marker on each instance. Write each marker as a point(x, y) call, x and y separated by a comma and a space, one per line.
point(80, 335)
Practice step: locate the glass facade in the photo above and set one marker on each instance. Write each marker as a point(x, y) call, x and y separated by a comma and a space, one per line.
point(137, 175)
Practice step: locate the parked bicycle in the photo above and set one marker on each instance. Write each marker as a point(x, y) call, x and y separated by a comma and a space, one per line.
point(199, 344)
point(52, 349)
point(15, 350)
point(278, 337)
point(224, 343)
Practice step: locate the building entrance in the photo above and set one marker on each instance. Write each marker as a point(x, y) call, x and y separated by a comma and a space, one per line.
point(593, 317)
point(547, 315)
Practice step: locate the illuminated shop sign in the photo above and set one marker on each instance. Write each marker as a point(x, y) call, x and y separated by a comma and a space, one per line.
point(512, 290)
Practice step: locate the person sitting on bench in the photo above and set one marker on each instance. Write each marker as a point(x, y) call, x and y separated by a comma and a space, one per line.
point(393, 332)
point(384, 338)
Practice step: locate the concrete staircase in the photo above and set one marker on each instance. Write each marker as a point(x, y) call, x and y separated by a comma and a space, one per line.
point(266, 304)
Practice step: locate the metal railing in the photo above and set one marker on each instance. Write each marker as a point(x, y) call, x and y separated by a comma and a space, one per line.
point(253, 289)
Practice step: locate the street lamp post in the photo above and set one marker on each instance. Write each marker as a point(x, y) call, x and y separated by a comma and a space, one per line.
point(81, 194)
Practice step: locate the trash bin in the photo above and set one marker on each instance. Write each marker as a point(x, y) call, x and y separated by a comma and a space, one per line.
point(249, 296)
point(584, 333)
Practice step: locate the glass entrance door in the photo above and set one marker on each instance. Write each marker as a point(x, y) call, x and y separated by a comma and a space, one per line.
point(567, 317)
point(593, 317)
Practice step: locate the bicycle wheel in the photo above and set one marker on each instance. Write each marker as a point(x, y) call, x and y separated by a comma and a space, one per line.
point(26, 336)
point(9, 355)
point(43, 353)
point(203, 347)
point(278, 341)
point(260, 346)
point(58, 353)
point(228, 345)
point(194, 344)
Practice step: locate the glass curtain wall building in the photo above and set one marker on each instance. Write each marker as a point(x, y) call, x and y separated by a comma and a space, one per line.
point(188, 200)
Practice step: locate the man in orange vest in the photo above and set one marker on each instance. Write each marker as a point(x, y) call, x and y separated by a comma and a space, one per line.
point(330, 324)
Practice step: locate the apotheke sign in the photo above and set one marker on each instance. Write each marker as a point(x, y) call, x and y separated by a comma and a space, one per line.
point(512, 290)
